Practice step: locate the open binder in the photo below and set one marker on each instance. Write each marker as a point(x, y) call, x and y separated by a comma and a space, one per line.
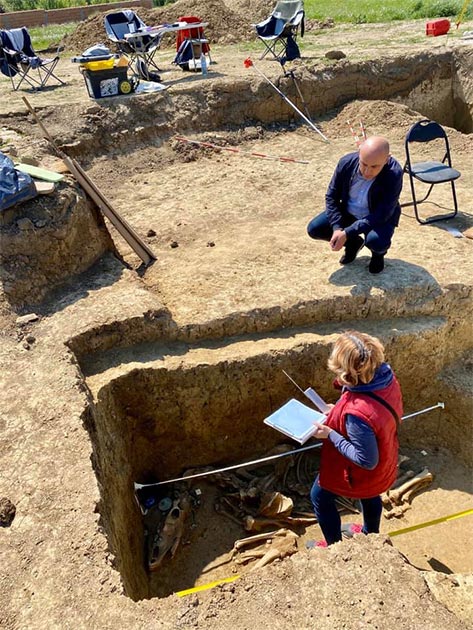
point(295, 420)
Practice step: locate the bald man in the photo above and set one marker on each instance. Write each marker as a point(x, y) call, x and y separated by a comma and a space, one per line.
point(362, 200)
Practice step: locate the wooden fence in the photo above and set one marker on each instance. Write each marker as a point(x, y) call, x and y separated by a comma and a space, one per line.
point(41, 17)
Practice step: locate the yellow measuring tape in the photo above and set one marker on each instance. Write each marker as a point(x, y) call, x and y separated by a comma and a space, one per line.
point(204, 587)
point(397, 532)
point(436, 521)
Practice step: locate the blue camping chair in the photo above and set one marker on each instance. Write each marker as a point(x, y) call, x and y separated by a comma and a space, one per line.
point(279, 31)
point(131, 37)
point(431, 172)
point(19, 61)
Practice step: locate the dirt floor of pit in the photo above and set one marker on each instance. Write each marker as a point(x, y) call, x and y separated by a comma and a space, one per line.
point(56, 569)
point(205, 554)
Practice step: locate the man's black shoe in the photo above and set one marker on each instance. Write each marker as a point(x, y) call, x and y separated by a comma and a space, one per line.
point(352, 248)
point(376, 263)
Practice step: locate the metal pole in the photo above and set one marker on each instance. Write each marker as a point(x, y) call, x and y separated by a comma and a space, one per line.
point(296, 85)
point(416, 413)
point(248, 63)
point(263, 459)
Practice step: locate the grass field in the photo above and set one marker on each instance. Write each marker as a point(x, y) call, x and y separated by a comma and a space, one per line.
point(362, 11)
point(49, 36)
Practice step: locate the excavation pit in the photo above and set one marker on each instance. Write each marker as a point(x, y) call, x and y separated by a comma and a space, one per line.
point(176, 407)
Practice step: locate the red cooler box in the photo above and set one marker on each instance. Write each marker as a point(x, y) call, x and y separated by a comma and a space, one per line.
point(441, 26)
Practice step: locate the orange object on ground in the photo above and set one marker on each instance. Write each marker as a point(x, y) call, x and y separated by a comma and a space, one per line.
point(440, 26)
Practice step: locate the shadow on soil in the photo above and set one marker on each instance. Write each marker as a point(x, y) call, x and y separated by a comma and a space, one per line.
point(396, 273)
point(105, 272)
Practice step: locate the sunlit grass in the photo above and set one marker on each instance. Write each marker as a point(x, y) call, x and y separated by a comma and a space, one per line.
point(365, 11)
point(50, 36)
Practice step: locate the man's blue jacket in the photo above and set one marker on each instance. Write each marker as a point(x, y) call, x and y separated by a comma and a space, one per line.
point(383, 197)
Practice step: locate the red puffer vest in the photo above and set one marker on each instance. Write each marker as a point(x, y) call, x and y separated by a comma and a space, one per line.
point(341, 476)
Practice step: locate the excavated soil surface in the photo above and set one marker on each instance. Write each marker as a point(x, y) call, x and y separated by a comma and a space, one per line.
point(198, 339)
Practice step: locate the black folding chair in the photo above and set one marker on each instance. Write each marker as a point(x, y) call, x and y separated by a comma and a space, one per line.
point(430, 172)
point(19, 61)
point(279, 31)
point(132, 38)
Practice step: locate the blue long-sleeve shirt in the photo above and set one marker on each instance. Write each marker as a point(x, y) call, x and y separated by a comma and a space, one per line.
point(361, 447)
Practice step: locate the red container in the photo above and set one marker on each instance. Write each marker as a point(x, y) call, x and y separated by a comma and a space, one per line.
point(441, 26)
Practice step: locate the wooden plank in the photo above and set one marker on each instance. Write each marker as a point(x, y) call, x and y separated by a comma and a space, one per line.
point(39, 173)
point(123, 228)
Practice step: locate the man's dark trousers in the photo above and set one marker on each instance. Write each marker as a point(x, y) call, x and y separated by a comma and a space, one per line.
point(378, 240)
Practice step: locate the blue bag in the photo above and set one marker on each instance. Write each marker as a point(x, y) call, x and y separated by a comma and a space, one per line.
point(15, 186)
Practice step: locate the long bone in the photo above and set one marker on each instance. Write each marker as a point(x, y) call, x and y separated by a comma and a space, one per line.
point(252, 524)
point(281, 543)
point(423, 478)
point(279, 549)
point(385, 497)
point(246, 556)
point(406, 498)
point(409, 474)
point(244, 542)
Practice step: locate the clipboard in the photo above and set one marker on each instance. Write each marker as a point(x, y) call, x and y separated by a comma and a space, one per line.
point(295, 420)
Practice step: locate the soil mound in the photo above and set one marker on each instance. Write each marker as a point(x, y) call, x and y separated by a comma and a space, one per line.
point(226, 25)
point(327, 589)
point(370, 113)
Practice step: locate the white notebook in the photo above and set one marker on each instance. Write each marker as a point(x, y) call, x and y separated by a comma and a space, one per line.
point(295, 420)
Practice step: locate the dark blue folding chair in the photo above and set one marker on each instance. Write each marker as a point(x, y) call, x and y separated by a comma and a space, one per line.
point(431, 172)
point(134, 39)
point(279, 31)
point(20, 63)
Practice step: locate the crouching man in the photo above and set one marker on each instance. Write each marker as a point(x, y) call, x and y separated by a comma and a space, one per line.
point(362, 200)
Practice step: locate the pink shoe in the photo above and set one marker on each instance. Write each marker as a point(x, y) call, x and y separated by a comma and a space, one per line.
point(312, 544)
point(350, 529)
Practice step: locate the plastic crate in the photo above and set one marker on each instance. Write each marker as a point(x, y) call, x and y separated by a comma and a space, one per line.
point(105, 64)
point(441, 26)
point(112, 82)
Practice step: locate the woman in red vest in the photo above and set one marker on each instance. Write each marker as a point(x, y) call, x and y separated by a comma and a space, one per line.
point(360, 449)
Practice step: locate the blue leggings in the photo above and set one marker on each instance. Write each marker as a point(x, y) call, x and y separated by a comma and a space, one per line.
point(329, 518)
point(378, 240)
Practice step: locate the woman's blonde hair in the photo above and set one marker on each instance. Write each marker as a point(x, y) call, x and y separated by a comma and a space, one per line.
point(355, 357)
